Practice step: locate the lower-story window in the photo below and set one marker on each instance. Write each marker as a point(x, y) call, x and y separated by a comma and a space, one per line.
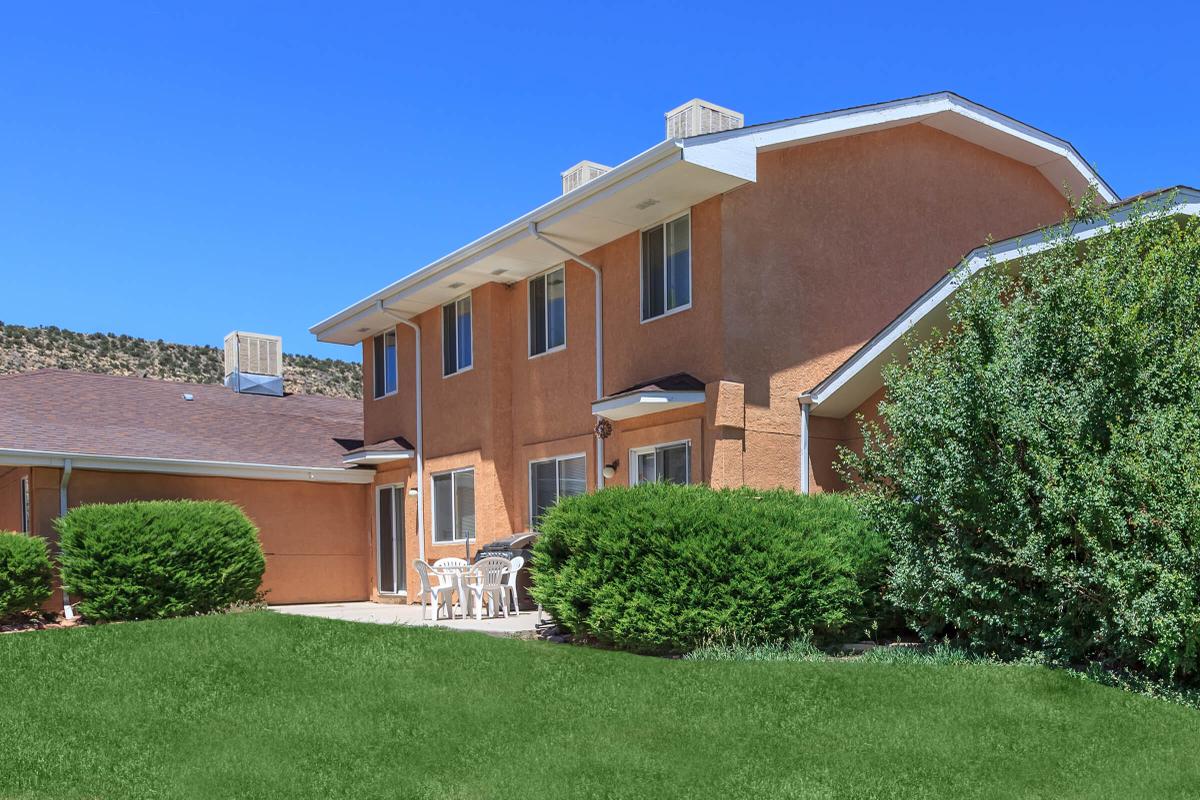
point(671, 463)
point(454, 506)
point(25, 505)
point(554, 478)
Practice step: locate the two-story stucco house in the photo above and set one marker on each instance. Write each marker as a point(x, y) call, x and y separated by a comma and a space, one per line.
point(668, 318)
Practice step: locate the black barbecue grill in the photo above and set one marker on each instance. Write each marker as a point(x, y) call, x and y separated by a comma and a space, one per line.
point(518, 545)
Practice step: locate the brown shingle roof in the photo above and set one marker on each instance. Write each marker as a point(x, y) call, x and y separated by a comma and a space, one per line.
point(675, 382)
point(73, 412)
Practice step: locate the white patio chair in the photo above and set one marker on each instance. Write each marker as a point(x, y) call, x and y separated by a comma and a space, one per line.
point(510, 586)
point(485, 580)
point(455, 567)
point(441, 593)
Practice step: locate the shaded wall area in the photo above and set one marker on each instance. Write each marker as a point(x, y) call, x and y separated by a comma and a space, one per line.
point(312, 533)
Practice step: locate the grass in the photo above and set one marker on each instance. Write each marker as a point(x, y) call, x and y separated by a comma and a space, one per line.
point(257, 705)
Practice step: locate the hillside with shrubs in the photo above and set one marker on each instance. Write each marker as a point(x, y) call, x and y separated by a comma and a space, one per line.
point(23, 349)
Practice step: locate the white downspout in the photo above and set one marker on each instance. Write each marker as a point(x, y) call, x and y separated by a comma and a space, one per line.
point(420, 431)
point(533, 231)
point(805, 405)
point(63, 483)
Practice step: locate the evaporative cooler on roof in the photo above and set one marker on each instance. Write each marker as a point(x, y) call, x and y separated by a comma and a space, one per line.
point(696, 117)
point(254, 363)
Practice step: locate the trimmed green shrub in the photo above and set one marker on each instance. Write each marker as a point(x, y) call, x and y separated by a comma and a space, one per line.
point(664, 568)
point(26, 575)
point(1036, 469)
point(165, 558)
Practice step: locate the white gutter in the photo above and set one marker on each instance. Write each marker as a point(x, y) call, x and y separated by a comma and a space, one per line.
point(535, 233)
point(805, 405)
point(420, 429)
point(175, 466)
point(63, 483)
point(378, 457)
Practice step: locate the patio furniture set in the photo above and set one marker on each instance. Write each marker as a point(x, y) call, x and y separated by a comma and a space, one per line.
point(490, 579)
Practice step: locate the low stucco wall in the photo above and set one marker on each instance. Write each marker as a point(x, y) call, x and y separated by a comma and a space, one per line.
point(314, 534)
point(10, 497)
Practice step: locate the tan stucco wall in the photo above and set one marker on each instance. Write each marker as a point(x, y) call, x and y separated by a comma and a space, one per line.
point(790, 275)
point(312, 533)
point(10, 497)
point(833, 241)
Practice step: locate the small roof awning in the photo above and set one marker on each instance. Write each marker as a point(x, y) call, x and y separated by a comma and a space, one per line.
point(652, 397)
point(383, 452)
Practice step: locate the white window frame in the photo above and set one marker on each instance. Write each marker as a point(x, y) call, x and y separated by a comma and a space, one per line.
point(556, 460)
point(634, 452)
point(642, 273)
point(453, 502)
point(396, 364)
point(529, 313)
point(397, 539)
point(23, 487)
point(442, 332)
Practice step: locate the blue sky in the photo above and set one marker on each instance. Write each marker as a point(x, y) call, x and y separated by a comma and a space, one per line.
point(157, 158)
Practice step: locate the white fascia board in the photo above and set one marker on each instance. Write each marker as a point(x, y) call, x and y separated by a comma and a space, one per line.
point(518, 228)
point(639, 404)
point(895, 112)
point(378, 457)
point(1186, 202)
point(171, 466)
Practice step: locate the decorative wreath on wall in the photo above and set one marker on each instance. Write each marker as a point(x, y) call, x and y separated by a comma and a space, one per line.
point(603, 428)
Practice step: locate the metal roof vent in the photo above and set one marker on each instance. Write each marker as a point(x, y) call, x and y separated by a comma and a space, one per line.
point(254, 363)
point(696, 117)
point(581, 173)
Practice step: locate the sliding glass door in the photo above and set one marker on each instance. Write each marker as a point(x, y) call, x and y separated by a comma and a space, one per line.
point(389, 539)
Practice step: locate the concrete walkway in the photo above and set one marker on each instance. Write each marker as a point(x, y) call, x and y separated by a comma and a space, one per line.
point(405, 614)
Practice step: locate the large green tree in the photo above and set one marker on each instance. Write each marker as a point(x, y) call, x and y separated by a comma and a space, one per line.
point(1037, 464)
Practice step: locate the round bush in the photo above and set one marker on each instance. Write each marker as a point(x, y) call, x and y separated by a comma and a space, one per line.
point(26, 575)
point(663, 568)
point(146, 560)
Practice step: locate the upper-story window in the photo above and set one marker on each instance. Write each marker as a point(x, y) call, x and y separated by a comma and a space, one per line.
point(385, 365)
point(456, 336)
point(548, 312)
point(667, 267)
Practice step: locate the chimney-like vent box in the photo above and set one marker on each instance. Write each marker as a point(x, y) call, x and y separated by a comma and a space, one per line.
point(254, 363)
point(581, 173)
point(697, 117)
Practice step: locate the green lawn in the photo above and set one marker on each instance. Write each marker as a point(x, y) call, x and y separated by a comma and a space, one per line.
point(258, 705)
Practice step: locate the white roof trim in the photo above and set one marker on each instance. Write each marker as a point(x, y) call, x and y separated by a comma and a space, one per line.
point(639, 404)
point(885, 345)
point(831, 124)
point(173, 466)
point(377, 456)
point(724, 159)
point(716, 163)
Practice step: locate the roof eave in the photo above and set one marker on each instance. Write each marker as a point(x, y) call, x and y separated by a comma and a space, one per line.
point(174, 466)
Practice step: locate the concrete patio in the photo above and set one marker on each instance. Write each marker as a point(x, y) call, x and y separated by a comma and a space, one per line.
point(404, 614)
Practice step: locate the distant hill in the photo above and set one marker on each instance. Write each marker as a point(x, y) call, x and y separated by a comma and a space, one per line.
point(23, 349)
